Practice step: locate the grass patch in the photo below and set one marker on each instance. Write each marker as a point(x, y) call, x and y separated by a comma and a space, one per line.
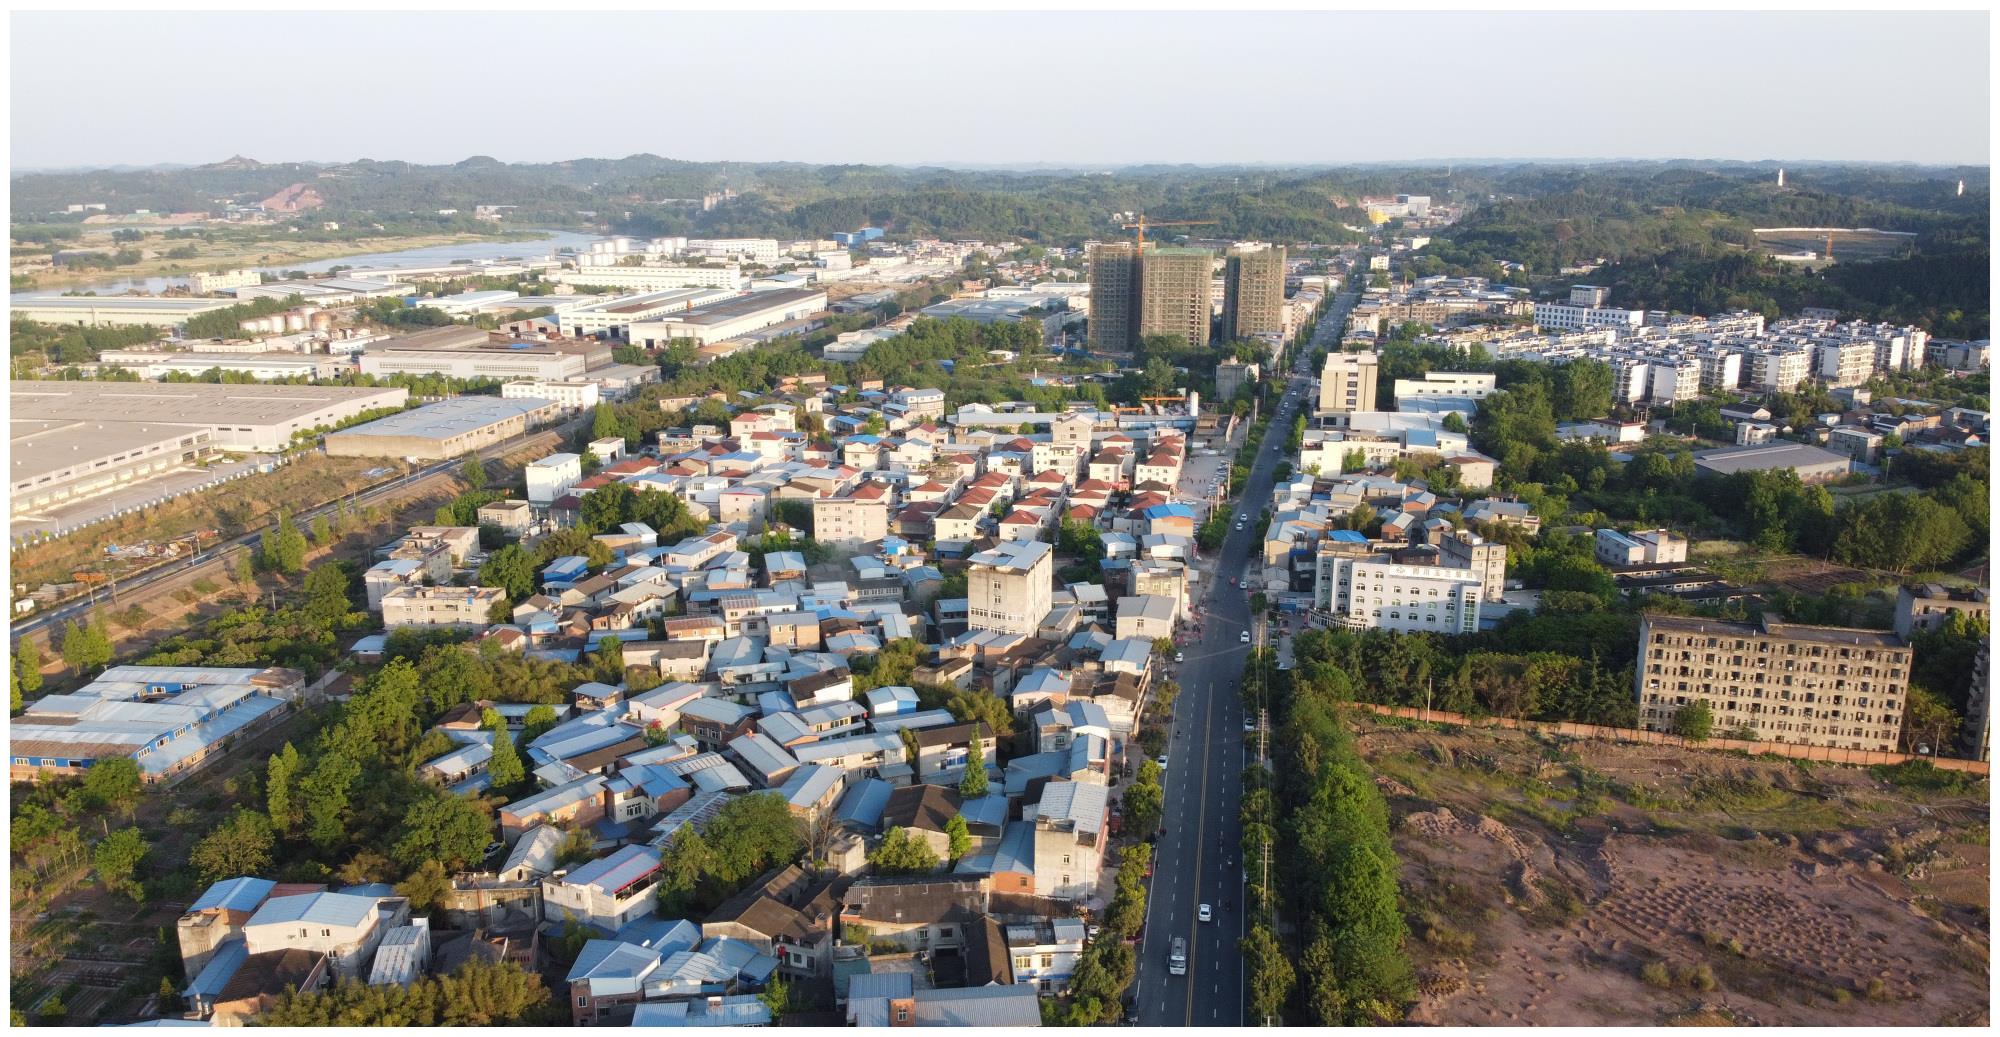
point(1925, 776)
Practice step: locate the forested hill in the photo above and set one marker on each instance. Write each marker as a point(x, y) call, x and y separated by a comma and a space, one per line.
point(1681, 239)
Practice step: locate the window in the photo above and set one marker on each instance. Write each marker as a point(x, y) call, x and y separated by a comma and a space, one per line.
point(326, 932)
point(582, 1001)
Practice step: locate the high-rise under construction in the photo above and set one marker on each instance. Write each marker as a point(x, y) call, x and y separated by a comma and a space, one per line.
point(1114, 297)
point(1253, 291)
point(1176, 294)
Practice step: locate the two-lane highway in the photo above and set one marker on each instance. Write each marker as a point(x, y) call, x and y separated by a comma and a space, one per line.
point(1199, 860)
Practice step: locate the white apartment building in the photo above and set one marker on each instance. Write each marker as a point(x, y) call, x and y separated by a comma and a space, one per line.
point(440, 607)
point(1347, 383)
point(1721, 369)
point(1369, 594)
point(1566, 317)
point(757, 250)
point(1484, 558)
point(1779, 370)
point(1630, 377)
point(1843, 364)
point(1641, 547)
point(654, 278)
point(1448, 384)
point(552, 476)
point(568, 395)
point(1673, 382)
point(224, 281)
point(1011, 587)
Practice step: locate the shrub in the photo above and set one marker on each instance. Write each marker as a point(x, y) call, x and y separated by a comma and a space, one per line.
point(1655, 975)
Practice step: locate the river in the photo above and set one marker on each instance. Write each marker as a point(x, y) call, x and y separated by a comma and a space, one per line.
point(436, 255)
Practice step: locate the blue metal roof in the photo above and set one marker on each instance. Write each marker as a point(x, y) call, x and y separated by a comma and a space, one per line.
point(220, 969)
point(1347, 536)
point(241, 894)
point(318, 908)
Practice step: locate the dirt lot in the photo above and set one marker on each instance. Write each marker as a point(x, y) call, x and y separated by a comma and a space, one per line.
point(1591, 883)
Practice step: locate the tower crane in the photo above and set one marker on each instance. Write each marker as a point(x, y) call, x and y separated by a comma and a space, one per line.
point(1143, 223)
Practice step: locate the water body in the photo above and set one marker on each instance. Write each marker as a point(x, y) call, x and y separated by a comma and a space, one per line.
point(437, 255)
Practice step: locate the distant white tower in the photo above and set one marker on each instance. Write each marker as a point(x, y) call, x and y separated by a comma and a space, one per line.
point(1961, 188)
point(1781, 177)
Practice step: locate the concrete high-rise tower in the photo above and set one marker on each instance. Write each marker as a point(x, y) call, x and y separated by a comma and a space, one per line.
point(1114, 297)
point(1253, 291)
point(1781, 178)
point(1176, 294)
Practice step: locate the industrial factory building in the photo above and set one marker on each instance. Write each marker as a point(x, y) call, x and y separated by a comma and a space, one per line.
point(95, 311)
point(440, 430)
point(725, 320)
point(462, 352)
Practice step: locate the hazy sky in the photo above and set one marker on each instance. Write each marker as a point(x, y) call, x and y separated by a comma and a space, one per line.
point(1090, 89)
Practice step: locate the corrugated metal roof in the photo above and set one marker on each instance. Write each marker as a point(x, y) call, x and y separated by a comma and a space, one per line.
point(239, 894)
point(317, 908)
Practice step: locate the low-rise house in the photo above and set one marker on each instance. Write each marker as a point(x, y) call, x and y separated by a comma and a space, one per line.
point(606, 893)
point(788, 914)
point(918, 913)
point(344, 927)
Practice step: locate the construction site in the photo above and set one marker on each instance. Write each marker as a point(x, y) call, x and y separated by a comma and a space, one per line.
point(1596, 883)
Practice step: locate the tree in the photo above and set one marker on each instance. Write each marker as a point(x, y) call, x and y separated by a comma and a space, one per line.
point(683, 861)
point(112, 782)
point(326, 595)
point(1928, 723)
point(117, 858)
point(1271, 976)
point(973, 784)
point(900, 853)
point(1145, 803)
point(1080, 539)
point(609, 659)
point(322, 530)
point(511, 569)
point(324, 796)
point(961, 838)
point(281, 772)
point(28, 665)
point(776, 995)
point(428, 887)
point(537, 722)
point(1694, 721)
point(284, 546)
point(451, 830)
point(242, 845)
point(749, 835)
point(506, 769)
point(85, 648)
point(473, 471)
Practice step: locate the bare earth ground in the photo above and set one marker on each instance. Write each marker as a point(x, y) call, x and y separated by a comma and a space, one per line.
point(1541, 879)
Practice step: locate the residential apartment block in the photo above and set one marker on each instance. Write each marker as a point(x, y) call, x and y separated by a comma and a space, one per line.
point(1011, 587)
point(1784, 682)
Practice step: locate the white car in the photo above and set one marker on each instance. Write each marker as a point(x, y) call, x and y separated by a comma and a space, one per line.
point(1245, 638)
point(1178, 658)
point(1162, 761)
point(1204, 914)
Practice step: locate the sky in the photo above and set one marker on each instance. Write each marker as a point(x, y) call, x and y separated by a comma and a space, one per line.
point(995, 89)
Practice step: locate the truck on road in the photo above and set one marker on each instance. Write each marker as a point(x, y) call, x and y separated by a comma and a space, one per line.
point(1177, 959)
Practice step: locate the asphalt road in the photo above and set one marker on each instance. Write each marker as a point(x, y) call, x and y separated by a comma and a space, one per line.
point(1198, 860)
point(224, 554)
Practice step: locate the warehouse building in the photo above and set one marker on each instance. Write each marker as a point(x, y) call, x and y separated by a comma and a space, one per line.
point(169, 719)
point(53, 463)
point(1812, 464)
point(655, 278)
point(446, 429)
point(614, 316)
point(153, 363)
point(94, 311)
point(247, 418)
point(461, 352)
point(329, 291)
point(718, 321)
